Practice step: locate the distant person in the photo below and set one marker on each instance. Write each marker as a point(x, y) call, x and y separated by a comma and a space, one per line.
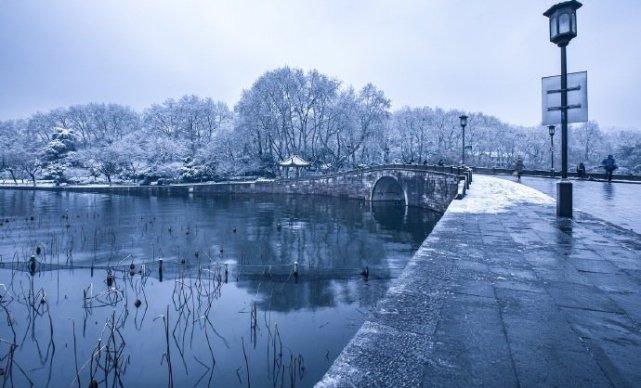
point(441, 162)
point(518, 168)
point(609, 164)
point(580, 171)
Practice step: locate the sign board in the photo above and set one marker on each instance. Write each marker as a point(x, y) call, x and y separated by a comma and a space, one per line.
point(577, 98)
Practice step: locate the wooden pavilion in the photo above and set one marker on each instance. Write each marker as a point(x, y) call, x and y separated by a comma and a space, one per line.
point(295, 162)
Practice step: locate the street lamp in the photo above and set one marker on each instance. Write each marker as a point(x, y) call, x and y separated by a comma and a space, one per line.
point(463, 119)
point(563, 22)
point(551, 130)
point(562, 17)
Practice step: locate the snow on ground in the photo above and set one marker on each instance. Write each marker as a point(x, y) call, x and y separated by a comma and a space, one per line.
point(494, 195)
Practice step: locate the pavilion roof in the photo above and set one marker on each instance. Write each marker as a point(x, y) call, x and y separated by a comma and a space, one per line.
point(294, 161)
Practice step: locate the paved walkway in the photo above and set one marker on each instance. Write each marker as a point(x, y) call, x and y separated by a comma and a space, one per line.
point(502, 293)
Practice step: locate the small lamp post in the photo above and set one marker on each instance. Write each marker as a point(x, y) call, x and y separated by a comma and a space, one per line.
point(463, 119)
point(551, 130)
point(562, 18)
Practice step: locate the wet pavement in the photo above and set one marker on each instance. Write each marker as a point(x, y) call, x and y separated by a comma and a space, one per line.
point(618, 203)
point(502, 293)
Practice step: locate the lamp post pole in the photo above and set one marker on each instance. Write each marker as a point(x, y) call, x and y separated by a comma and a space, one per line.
point(564, 113)
point(564, 190)
point(463, 149)
point(562, 18)
point(463, 119)
point(551, 132)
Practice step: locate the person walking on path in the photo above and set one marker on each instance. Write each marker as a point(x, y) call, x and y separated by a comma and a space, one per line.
point(518, 168)
point(580, 171)
point(609, 164)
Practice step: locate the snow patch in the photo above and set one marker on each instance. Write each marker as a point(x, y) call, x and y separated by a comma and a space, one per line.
point(490, 195)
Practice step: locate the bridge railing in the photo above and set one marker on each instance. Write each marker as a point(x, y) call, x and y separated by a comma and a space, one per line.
point(458, 171)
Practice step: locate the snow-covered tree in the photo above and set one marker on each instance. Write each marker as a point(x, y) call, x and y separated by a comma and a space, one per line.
point(56, 155)
point(286, 111)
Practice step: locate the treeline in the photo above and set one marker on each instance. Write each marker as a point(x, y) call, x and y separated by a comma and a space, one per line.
point(285, 112)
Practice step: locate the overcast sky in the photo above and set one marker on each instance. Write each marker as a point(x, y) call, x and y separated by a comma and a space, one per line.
point(476, 55)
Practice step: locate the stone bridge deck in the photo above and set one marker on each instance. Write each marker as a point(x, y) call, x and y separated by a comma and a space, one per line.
point(502, 293)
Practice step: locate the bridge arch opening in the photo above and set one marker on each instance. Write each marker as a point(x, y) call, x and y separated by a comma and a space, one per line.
point(388, 189)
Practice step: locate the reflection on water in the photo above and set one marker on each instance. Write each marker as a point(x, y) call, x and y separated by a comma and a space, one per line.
point(228, 309)
point(608, 191)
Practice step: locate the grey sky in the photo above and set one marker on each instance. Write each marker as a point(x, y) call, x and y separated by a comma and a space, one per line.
point(475, 55)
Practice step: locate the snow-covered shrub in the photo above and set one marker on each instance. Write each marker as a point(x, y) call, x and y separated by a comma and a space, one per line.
point(55, 171)
point(191, 171)
point(169, 171)
point(58, 153)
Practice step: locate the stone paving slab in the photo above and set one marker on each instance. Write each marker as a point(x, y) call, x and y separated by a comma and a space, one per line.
point(502, 293)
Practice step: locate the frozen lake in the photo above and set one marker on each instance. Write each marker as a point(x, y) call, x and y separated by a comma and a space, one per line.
point(97, 308)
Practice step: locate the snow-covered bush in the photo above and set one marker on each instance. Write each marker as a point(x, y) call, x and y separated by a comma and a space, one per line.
point(192, 171)
point(58, 154)
point(169, 172)
point(55, 172)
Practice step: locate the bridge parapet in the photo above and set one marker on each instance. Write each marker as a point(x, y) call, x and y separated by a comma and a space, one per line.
point(449, 170)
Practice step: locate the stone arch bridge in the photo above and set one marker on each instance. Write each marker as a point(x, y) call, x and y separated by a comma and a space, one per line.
point(431, 187)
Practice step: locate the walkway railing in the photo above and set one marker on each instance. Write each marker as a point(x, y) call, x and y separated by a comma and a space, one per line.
point(556, 174)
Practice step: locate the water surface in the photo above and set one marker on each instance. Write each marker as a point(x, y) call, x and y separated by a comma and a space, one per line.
point(226, 310)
